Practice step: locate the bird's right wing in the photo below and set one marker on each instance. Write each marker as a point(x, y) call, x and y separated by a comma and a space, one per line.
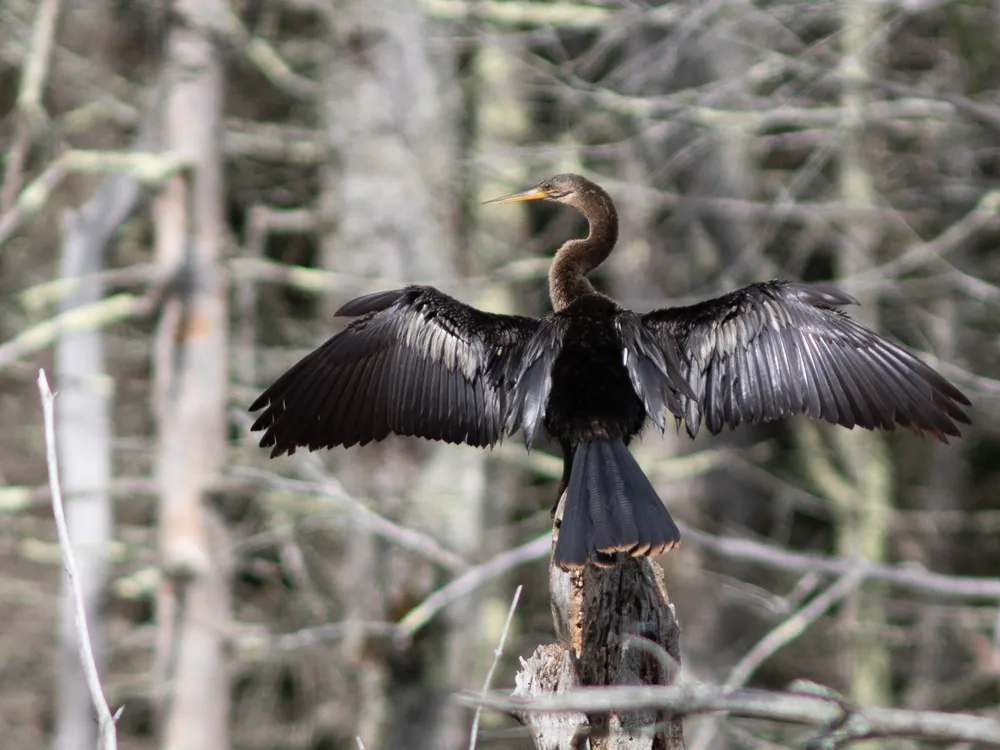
point(776, 348)
point(416, 362)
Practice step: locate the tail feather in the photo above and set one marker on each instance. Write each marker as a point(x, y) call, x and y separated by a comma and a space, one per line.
point(576, 535)
point(610, 507)
point(657, 531)
point(610, 511)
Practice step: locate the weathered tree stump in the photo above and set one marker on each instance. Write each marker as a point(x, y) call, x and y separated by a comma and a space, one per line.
point(616, 626)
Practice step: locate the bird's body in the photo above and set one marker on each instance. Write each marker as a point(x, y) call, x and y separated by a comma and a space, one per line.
point(418, 362)
point(592, 396)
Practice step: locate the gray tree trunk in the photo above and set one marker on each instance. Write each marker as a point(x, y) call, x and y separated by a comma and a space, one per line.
point(863, 514)
point(84, 436)
point(389, 109)
point(190, 395)
point(84, 445)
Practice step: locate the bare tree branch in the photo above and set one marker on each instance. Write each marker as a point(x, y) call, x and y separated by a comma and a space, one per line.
point(144, 167)
point(909, 577)
point(474, 734)
point(107, 733)
point(104, 312)
point(815, 707)
point(985, 214)
point(29, 98)
point(558, 14)
point(790, 629)
point(472, 579)
point(406, 538)
point(263, 56)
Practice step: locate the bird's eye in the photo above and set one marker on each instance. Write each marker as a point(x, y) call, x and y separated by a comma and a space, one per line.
point(546, 186)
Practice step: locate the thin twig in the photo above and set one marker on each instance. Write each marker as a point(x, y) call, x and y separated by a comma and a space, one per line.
point(52, 291)
point(472, 579)
point(907, 576)
point(101, 313)
point(360, 513)
point(556, 14)
point(263, 56)
point(149, 168)
point(497, 653)
point(778, 638)
point(791, 628)
point(982, 216)
point(29, 98)
point(106, 730)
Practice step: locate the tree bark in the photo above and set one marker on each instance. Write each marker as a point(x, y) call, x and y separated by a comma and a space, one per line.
point(389, 109)
point(616, 626)
point(84, 437)
point(862, 514)
point(84, 444)
point(190, 395)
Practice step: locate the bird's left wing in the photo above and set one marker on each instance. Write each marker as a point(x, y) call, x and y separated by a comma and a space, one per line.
point(776, 348)
point(415, 362)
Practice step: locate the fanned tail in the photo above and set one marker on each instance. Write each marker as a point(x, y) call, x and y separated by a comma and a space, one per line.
point(610, 507)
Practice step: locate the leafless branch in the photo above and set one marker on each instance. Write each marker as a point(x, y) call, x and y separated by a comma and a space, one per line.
point(274, 142)
point(472, 579)
point(36, 297)
point(559, 14)
point(14, 498)
point(909, 577)
point(29, 98)
point(266, 59)
point(252, 642)
point(144, 167)
point(497, 653)
point(982, 113)
point(683, 108)
point(107, 732)
point(791, 629)
point(106, 311)
point(406, 538)
point(822, 708)
point(778, 638)
point(984, 214)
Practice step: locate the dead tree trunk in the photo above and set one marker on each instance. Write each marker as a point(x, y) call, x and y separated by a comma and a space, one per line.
point(190, 395)
point(84, 435)
point(389, 111)
point(616, 626)
point(863, 512)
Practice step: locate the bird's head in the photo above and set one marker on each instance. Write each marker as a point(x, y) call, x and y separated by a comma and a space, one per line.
point(570, 189)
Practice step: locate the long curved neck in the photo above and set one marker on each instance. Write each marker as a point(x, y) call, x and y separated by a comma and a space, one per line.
point(576, 258)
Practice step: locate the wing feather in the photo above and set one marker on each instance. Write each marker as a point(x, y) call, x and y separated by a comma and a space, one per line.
point(776, 348)
point(779, 376)
point(852, 409)
point(415, 362)
point(531, 380)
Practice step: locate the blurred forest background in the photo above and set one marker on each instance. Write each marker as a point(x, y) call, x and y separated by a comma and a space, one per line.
point(191, 188)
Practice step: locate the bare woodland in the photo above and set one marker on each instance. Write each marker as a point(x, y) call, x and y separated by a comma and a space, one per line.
point(190, 189)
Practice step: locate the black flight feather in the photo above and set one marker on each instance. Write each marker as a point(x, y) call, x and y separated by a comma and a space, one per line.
point(777, 348)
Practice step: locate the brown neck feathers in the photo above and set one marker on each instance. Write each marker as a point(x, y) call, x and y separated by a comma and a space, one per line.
point(576, 258)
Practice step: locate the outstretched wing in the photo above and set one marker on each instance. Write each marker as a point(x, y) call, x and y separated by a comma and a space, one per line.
point(416, 362)
point(776, 348)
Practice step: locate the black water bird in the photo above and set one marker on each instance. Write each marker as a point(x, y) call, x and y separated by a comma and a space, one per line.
point(416, 361)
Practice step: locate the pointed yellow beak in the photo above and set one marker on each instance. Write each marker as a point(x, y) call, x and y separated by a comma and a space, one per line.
point(531, 194)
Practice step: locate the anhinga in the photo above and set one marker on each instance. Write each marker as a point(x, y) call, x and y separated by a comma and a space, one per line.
point(415, 361)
